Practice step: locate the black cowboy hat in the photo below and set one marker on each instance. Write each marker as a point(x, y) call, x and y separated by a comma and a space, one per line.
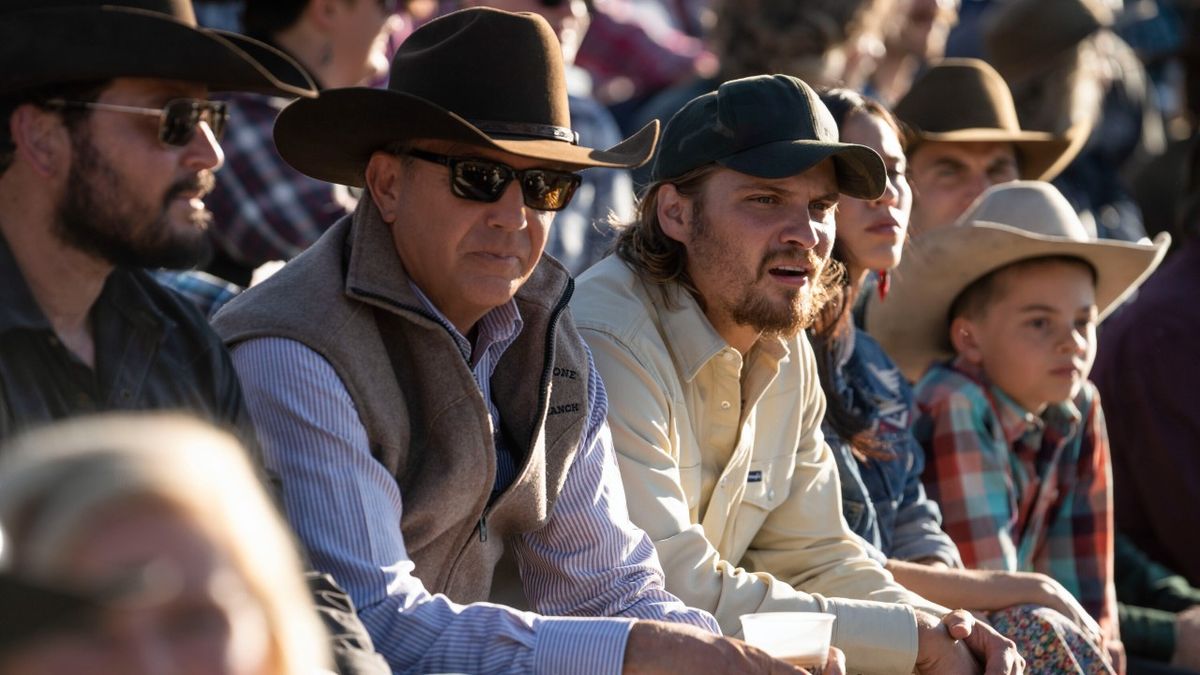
point(479, 76)
point(44, 42)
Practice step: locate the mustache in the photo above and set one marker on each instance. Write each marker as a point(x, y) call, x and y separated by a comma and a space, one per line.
point(203, 183)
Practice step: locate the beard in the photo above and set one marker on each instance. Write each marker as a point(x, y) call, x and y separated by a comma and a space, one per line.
point(746, 303)
point(103, 215)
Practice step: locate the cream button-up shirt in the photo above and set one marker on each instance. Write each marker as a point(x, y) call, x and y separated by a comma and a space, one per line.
point(725, 467)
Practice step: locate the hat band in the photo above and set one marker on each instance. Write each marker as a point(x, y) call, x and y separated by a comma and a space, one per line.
point(521, 130)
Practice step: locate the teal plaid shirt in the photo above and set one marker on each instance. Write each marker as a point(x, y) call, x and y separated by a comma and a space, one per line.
point(1020, 491)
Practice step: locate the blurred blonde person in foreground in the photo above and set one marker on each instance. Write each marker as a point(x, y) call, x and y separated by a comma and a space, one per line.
point(161, 523)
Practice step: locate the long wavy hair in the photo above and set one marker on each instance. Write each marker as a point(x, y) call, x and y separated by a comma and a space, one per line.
point(644, 246)
point(834, 324)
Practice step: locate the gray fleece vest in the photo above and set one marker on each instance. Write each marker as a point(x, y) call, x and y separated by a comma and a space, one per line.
point(348, 299)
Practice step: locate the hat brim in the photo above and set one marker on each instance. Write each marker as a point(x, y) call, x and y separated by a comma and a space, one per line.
point(860, 171)
point(332, 138)
point(912, 323)
point(1042, 155)
point(29, 609)
point(128, 42)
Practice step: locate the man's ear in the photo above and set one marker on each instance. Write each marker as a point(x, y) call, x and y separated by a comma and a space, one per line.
point(964, 335)
point(383, 173)
point(674, 213)
point(42, 140)
point(323, 13)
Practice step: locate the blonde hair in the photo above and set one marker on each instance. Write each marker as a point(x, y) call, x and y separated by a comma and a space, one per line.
point(56, 480)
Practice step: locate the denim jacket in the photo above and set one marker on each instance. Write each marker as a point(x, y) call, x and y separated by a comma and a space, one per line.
point(883, 501)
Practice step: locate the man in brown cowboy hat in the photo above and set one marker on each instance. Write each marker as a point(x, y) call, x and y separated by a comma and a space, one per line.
point(964, 137)
point(419, 385)
point(107, 148)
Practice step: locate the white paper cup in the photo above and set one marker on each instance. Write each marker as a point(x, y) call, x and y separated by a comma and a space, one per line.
point(800, 638)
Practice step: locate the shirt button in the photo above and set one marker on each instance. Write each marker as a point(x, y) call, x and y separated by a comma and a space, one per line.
point(727, 355)
point(771, 495)
point(722, 482)
point(726, 405)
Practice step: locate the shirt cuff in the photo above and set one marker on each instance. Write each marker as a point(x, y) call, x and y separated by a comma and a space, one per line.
point(581, 645)
point(876, 637)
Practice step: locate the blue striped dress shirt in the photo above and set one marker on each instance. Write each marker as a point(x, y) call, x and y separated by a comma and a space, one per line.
point(590, 570)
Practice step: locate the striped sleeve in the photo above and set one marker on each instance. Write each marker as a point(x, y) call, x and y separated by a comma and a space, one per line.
point(346, 510)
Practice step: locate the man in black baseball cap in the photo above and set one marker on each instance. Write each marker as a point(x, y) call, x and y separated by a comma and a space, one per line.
point(696, 326)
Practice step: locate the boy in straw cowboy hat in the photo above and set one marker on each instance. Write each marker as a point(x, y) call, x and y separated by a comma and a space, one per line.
point(964, 136)
point(1017, 453)
point(420, 387)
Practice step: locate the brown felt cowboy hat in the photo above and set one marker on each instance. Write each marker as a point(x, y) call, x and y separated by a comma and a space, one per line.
point(481, 77)
point(1009, 222)
point(45, 42)
point(966, 100)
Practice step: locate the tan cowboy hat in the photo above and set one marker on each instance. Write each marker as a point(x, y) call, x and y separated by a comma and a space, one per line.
point(479, 76)
point(46, 42)
point(966, 100)
point(1009, 222)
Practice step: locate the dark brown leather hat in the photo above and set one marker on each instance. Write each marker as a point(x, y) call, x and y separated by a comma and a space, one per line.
point(479, 76)
point(966, 100)
point(45, 42)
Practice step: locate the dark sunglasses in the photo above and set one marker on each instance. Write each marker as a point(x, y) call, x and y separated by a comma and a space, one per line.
point(483, 180)
point(177, 120)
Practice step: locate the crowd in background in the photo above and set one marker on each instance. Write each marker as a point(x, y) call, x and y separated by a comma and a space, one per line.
point(1107, 91)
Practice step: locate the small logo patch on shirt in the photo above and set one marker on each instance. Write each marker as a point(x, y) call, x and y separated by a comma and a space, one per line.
point(754, 477)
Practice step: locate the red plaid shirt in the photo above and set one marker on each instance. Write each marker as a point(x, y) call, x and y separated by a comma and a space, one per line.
point(1020, 491)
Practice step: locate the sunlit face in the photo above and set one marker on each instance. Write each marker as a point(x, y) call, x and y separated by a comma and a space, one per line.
point(129, 198)
point(871, 233)
point(1037, 339)
point(468, 257)
point(758, 247)
point(191, 612)
point(947, 177)
point(925, 27)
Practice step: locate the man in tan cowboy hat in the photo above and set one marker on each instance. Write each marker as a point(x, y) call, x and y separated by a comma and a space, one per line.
point(107, 148)
point(964, 136)
point(1005, 305)
point(696, 324)
point(419, 385)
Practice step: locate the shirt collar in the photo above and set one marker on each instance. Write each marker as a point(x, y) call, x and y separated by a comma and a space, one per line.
point(499, 326)
point(694, 341)
point(1015, 420)
point(20, 308)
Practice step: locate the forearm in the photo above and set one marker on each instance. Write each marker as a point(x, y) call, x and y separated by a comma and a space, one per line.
point(982, 590)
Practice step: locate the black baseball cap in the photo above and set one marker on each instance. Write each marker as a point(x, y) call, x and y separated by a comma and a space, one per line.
point(770, 126)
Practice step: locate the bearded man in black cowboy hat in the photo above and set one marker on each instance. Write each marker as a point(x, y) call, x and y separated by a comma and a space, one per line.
point(107, 148)
point(419, 385)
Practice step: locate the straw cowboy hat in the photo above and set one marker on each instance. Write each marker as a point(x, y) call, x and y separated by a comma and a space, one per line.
point(966, 100)
point(481, 77)
point(1009, 222)
point(46, 42)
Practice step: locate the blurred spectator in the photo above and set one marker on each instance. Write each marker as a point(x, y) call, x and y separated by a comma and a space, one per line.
point(823, 42)
point(1068, 70)
point(161, 523)
point(910, 44)
point(964, 136)
point(637, 48)
point(581, 234)
point(1144, 369)
point(263, 209)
